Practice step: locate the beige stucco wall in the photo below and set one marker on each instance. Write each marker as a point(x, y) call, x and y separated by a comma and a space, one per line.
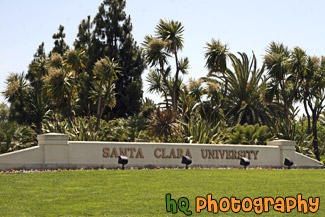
point(92, 153)
point(28, 158)
point(55, 151)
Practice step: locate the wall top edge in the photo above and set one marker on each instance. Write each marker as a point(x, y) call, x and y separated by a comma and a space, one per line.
point(53, 136)
point(170, 144)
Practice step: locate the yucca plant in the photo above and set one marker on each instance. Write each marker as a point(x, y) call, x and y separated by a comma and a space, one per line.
point(163, 124)
point(80, 129)
point(84, 129)
point(286, 128)
point(201, 131)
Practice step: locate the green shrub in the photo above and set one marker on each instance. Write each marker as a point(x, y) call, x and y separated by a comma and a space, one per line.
point(14, 136)
point(249, 135)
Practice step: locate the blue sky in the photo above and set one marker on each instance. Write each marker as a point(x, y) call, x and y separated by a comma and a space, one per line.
point(245, 26)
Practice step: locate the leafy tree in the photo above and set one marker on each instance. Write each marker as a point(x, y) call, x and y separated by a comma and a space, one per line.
point(37, 69)
point(84, 42)
point(244, 85)
point(26, 105)
point(294, 76)
point(197, 91)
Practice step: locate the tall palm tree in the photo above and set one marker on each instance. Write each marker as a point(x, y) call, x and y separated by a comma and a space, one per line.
point(172, 32)
point(74, 64)
point(105, 71)
point(312, 93)
point(276, 62)
point(157, 50)
point(216, 56)
point(154, 51)
point(286, 68)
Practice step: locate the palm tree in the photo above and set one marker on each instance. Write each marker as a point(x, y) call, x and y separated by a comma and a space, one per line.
point(312, 93)
point(38, 69)
point(58, 84)
point(27, 105)
point(156, 84)
point(172, 32)
point(283, 81)
point(105, 71)
point(157, 50)
point(286, 70)
point(197, 91)
point(74, 64)
point(16, 93)
point(154, 51)
point(39, 110)
point(246, 90)
point(216, 56)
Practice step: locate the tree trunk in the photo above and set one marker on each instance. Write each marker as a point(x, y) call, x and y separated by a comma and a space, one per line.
point(225, 91)
point(166, 98)
point(175, 91)
point(70, 97)
point(99, 105)
point(315, 139)
point(308, 116)
point(162, 72)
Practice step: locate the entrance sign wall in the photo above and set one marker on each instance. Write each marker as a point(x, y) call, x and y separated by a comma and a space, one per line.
point(55, 151)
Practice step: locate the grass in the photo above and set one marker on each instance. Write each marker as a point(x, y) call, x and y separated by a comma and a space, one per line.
point(142, 192)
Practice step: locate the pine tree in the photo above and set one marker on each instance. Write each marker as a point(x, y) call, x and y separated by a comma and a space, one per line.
point(112, 38)
point(60, 46)
point(83, 42)
point(40, 52)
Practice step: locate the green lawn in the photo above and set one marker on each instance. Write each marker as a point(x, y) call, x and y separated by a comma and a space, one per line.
point(142, 192)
